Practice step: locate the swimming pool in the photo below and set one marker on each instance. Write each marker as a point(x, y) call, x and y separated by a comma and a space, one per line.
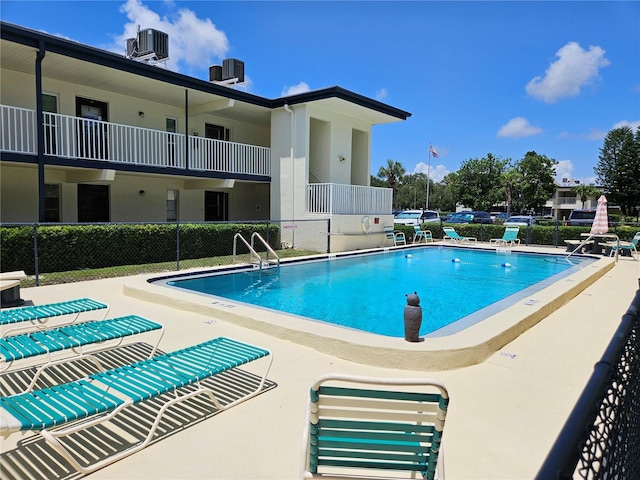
point(458, 287)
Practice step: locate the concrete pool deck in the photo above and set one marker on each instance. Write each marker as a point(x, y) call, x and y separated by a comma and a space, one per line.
point(504, 415)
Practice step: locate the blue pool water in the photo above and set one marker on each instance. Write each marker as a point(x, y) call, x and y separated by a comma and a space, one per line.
point(367, 292)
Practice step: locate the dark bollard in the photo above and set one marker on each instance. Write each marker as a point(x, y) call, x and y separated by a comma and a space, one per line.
point(412, 318)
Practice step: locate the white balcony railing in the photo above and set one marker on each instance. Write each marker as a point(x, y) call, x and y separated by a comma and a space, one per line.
point(74, 137)
point(333, 198)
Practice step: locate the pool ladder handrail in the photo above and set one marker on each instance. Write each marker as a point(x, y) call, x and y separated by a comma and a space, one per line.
point(588, 239)
point(254, 255)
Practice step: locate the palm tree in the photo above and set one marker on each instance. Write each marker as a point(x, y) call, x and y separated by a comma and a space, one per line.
point(393, 173)
point(585, 191)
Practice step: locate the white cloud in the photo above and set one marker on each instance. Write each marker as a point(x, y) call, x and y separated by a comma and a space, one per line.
point(194, 43)
point(381, 94)
point(518, 127)
point(436, 173)
point(625, 123)
point(565, 77)
point(593, 134)
point(564, 169)
point(295, 89)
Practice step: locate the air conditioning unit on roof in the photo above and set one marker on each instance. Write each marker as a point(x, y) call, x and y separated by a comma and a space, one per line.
point(149, 46)
point(152, 41)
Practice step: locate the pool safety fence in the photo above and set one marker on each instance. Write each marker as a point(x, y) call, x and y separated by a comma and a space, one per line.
point(601, 437)
point(63, 253)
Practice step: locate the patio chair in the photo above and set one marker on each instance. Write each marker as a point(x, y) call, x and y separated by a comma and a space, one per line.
point(631, 246)
point(421, 235)
point(377, 425)
point(451, 234)
point(59, 411)
point(395, 236)
point(98, 335)
point(39, 315)
point(509, 237)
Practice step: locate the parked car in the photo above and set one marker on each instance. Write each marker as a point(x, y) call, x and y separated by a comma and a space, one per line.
point(416, 217)
point(520, 220)
point(582, 217)
point(498, 216)
point(470, 217)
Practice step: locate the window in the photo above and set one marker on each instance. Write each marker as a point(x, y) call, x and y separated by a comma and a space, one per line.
point(52, 203)
point(172, 205)
point(171, 127)
point(50, 105)
point(216, 132)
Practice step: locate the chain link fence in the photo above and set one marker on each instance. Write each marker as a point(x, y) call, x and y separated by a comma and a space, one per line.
point(52, 253)
point(601, 438)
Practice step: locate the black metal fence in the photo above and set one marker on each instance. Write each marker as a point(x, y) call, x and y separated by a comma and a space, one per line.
point(63, 253)
point(601, 438)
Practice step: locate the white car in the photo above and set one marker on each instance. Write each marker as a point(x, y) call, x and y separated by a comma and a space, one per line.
point(520, 220)
point(416, 217)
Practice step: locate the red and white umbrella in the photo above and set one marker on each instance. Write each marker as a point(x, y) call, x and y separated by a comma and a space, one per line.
point(601, 220)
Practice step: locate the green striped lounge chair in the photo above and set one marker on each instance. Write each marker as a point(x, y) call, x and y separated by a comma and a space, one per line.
point(451, 234)
point(39, 315)
point(369, 427)
point(509, 238)
point(61, 410)
point(79, 340)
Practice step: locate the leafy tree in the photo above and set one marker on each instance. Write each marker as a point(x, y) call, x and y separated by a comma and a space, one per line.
point(478, 182)
point(377, 182)
point(585, 191)
point(393, 172)
point(537, 180)
point(511, 184)
point(618, 168)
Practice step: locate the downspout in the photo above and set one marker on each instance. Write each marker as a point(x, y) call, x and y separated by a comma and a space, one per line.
point(293, 163)
point(40, 131)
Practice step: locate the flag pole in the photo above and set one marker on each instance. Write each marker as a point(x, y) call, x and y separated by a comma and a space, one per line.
point(428, 172)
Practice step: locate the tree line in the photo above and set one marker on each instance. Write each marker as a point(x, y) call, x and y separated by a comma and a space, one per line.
point(522, 185)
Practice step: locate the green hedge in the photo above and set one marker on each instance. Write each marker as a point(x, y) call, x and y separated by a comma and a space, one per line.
point(76, 247)
point(540, 235)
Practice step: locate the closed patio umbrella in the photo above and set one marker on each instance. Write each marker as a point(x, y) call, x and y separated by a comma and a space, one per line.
point(601, 220)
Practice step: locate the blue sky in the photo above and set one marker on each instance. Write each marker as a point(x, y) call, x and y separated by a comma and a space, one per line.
point(478, 77)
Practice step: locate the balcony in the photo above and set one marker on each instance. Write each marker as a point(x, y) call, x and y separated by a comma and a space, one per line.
point(338, 199)
point(81, 138)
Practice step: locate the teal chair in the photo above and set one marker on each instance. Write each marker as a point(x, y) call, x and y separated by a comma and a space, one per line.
point(509, 237)
point(396, 237)
point(374, 424)
point(59, 411)
point(628, 246)
point(451, 234)
point(421, 235)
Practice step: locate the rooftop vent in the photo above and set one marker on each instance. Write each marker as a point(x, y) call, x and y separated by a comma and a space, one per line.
point(150, 46)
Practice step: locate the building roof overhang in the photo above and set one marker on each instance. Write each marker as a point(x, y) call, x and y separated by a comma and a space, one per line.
point(73, 62)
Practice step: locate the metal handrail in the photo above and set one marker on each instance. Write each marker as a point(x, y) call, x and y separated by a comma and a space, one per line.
point(252, 250)
point(266, 245)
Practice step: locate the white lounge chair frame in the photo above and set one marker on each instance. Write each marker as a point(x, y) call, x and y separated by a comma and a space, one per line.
point(38, 316)
point(357, 424)
point(509, 238)
point(60, 411)
point(451, 234)
point(81, 340)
